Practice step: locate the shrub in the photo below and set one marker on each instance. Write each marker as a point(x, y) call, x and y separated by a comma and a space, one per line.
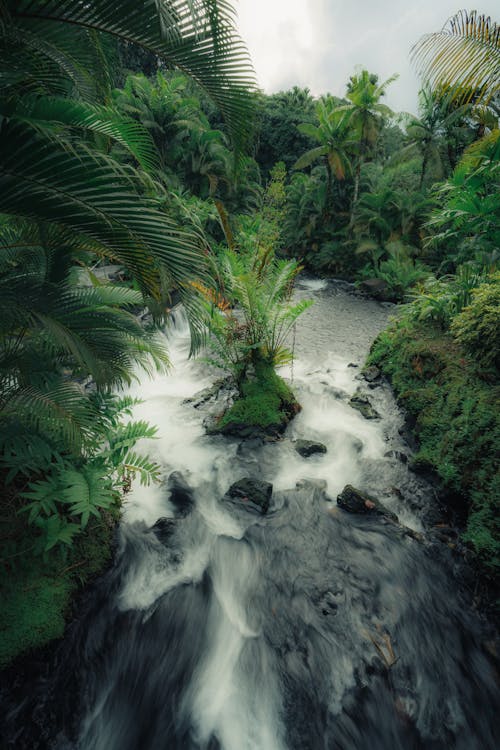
point(477, 327)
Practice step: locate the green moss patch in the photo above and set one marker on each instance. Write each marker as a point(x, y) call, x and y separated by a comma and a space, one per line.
point(456, 408)
point(266, 403)
point(37, 592)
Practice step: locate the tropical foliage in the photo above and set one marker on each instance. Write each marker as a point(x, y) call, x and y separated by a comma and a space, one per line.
point(463, 58)
point(87, 176)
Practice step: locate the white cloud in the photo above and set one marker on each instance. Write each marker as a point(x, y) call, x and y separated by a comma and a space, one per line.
point(319, 43)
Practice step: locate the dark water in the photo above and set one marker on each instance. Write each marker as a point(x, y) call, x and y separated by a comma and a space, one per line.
point(306, 629)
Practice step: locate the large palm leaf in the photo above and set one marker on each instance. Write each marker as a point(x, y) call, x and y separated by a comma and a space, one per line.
point(463, 59)
point(92, 195)
point(197, 37)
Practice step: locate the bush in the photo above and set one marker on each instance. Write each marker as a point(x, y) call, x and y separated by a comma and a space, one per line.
point(477, 327)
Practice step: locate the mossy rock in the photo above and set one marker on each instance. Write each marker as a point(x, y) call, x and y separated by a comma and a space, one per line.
point(264, 409)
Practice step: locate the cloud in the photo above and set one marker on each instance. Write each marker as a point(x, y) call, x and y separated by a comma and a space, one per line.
point(318, 43)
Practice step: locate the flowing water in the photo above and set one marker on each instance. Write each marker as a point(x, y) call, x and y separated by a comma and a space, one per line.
point(305, 629)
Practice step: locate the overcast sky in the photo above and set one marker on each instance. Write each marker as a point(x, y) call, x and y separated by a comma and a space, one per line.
point(319, 43)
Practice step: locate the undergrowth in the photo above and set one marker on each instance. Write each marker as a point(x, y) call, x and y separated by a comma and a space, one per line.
point(455, 402)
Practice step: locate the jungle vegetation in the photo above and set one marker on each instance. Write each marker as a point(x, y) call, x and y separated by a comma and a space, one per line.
point(134, 145)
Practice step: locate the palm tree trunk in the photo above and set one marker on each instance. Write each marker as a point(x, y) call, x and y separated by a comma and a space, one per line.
point(424, 168)
point(329, 185)
point(357, 177)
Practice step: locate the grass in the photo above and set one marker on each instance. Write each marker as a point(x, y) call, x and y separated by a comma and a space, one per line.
point(455, 404)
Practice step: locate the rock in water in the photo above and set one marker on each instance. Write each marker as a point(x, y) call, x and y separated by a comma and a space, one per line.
point(308, 448)
point(371, 373)
point(181, 494)
point(363, 405)
point(163, 529)
point(355, 501)
point(253, 493)
point(377, 288)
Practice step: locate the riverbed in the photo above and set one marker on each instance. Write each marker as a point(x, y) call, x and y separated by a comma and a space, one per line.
point(308, 628)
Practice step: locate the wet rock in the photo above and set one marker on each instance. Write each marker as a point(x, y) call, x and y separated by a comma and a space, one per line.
point(377, 288)
point(371, 373)
point(253, 493)
point(308, 448)
point(362, 404)
point(247, 447)
point(251, 431)
point(355, 501)
point(181, 494)
point(163, 529)
point(220, 388)
point(398, 455)
point(334, 392)
point(315, 485)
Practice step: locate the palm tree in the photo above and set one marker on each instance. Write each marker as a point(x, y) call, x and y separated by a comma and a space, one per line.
point(463, 59)
point(334, 138)
point(366, 116)
point(430, 132)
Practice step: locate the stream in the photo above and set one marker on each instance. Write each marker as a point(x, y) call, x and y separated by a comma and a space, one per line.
point(308, 628)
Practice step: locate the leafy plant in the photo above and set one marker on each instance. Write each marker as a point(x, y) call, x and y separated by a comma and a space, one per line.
point(477, 326)
point(74, 487)
point(258, 287)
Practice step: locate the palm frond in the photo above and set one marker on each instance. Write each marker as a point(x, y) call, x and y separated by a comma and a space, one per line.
point(197, 37)
point(48, 114)
point(463, 59)
point(97, 198)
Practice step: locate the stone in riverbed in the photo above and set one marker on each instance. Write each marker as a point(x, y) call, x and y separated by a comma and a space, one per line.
point(163, 529)
point(371, 373)
point(181, 494)
point(252, 493)
point(362, 404)
point(377, 288)
point(308, 448)
point(398, 455)
point(355, 501)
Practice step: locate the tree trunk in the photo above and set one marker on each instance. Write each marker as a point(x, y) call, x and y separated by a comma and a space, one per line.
point(328, 196)
point(357, 177)
point(424, 168)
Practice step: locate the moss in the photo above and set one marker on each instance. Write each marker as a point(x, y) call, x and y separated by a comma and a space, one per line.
point(266, 401)
point(37, 593)
point(457, 423)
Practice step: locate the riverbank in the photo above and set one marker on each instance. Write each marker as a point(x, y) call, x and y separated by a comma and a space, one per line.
point(454, 412)
point(38, 592)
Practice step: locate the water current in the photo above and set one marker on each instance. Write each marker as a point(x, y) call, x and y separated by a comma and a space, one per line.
point(306, 629)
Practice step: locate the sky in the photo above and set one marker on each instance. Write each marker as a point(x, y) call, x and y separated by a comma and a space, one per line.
point(319, 43)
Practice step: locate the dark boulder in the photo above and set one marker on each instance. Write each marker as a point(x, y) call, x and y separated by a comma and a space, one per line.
point(398, 455)
point(181, 494)
point(371, 373)
point(254, 494)
point(377, 288)
point(308, 448)
point(163, 529)
point(362, 404)
point(355, 501)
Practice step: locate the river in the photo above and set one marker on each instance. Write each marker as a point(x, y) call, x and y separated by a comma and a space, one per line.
point(306, 629)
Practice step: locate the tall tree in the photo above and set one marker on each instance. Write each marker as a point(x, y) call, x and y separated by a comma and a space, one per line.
point(431, 131)
point(334, 137)
point(366, 115)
